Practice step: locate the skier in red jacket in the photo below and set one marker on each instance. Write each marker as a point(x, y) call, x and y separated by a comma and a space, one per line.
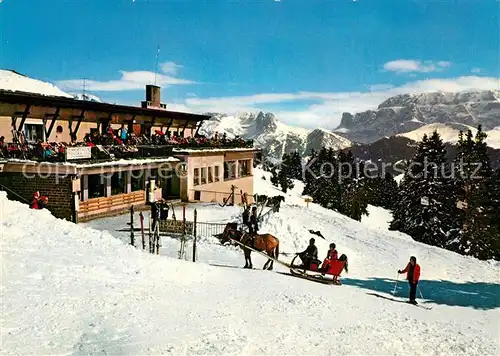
point(35, 201)
point(413, 274)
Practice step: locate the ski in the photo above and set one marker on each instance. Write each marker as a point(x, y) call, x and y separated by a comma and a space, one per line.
point(420, 306)
point(399, 300)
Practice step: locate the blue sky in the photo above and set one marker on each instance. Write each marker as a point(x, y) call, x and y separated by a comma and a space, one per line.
point(307, 61)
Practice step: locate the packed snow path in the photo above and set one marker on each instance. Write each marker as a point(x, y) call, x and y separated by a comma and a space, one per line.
point(70, 289)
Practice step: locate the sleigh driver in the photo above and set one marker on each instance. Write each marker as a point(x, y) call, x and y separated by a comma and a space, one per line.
point(309, 255)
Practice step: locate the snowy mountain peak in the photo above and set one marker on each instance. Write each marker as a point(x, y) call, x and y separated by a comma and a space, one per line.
point(440, 98)
point(408, 112)
point(272, 136)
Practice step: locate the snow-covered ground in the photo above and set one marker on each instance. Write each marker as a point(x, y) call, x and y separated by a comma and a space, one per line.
point(81, 290)
point(449, 133)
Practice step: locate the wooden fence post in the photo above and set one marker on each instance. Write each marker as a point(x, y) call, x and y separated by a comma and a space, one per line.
point(132, 225)
point(194, 234)
point(142, 231)
point(151, 246)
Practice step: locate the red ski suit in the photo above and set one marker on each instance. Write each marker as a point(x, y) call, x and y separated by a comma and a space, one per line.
point(332, 255)
point(416, 272)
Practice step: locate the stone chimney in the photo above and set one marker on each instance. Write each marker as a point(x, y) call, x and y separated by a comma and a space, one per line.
point(153, 95)
point(153, 99)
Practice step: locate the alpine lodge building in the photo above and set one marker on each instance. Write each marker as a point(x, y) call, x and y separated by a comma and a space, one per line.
point(94, 159)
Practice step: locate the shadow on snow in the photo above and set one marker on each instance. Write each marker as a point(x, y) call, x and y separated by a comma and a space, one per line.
point(478, 295)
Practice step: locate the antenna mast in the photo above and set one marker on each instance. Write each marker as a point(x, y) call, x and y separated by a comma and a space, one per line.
point(157, 58)
point(84, 83)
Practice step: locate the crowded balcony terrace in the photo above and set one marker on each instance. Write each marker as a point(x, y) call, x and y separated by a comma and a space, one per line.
point(98, 131)
point(115, 145)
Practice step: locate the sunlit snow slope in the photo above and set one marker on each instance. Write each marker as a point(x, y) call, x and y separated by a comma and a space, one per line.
point(70, 289)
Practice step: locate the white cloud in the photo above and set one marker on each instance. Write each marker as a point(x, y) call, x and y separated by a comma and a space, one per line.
point(327, 107)
point(133, 80)
point(412, 65)
point(170, 67)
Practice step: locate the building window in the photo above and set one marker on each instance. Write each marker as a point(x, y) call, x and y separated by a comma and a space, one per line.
point(96, 186)
point(137, 180)
point(210, 176)
point(229, 170)
point(33, 132)
point(196, 176)
point(216, 174)
point(204, 175)
point(197, 195)
point(117, 183)
point(245, 168)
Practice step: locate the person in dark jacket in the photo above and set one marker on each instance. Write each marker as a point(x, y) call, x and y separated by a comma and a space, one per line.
point(254, 220)
point(310, 254)
point(246, 219)
point(413, 275)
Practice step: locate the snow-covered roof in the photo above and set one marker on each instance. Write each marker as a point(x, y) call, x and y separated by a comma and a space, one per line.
point(14, 81)
point(121, 162)
point(199, 150)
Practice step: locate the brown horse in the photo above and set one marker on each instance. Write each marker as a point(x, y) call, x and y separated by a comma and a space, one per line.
point(260, 242)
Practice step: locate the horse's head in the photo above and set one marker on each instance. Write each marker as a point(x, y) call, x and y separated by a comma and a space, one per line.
point(229, 234)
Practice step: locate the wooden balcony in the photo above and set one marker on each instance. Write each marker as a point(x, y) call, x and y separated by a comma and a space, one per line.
point(107, 206)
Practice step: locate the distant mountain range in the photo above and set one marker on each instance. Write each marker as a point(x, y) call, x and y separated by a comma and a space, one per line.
point(406, 113)
point(272, 136)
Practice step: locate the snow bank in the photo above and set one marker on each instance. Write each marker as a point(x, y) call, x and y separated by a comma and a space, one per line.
point(13, 81)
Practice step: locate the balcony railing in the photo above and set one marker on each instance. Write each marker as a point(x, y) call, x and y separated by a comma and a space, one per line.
point(111, 147)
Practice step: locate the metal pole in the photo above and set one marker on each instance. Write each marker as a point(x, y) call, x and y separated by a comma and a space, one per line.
point(150, 235)
point(142, 231)
point(132, 225)
point(194, 233)
point(396, 285)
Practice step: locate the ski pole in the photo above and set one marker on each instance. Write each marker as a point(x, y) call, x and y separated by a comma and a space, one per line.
point(396, 285)
point(421, 296)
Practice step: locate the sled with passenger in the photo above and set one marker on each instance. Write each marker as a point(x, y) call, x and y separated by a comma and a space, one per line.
point(314, 271)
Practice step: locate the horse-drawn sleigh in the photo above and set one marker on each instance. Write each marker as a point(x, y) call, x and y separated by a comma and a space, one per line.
point(268, 246)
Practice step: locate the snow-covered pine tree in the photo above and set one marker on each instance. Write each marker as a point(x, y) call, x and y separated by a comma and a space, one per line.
point(425, 208)
point(381, 190)
point(353, 201)
point(494, 189)
point(310, 168)
point(281, 177)
point(274, 175)
point(295, 166)
point(473, 170)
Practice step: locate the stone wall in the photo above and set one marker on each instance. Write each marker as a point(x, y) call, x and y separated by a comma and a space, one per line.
point(57, 188)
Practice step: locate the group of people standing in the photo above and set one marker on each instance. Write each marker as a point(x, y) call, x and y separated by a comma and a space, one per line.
point(250, 219)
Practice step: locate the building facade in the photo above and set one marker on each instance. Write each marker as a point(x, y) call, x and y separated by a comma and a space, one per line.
point(83, 186)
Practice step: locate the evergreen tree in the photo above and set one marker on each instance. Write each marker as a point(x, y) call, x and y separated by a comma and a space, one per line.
point(281, 178)
point(353, 201)
point(295, 166)
point(426, 208)
point(479, 235)
point(382, 190)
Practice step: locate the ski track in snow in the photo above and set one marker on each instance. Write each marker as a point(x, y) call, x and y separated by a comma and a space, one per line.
point(73, 290)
